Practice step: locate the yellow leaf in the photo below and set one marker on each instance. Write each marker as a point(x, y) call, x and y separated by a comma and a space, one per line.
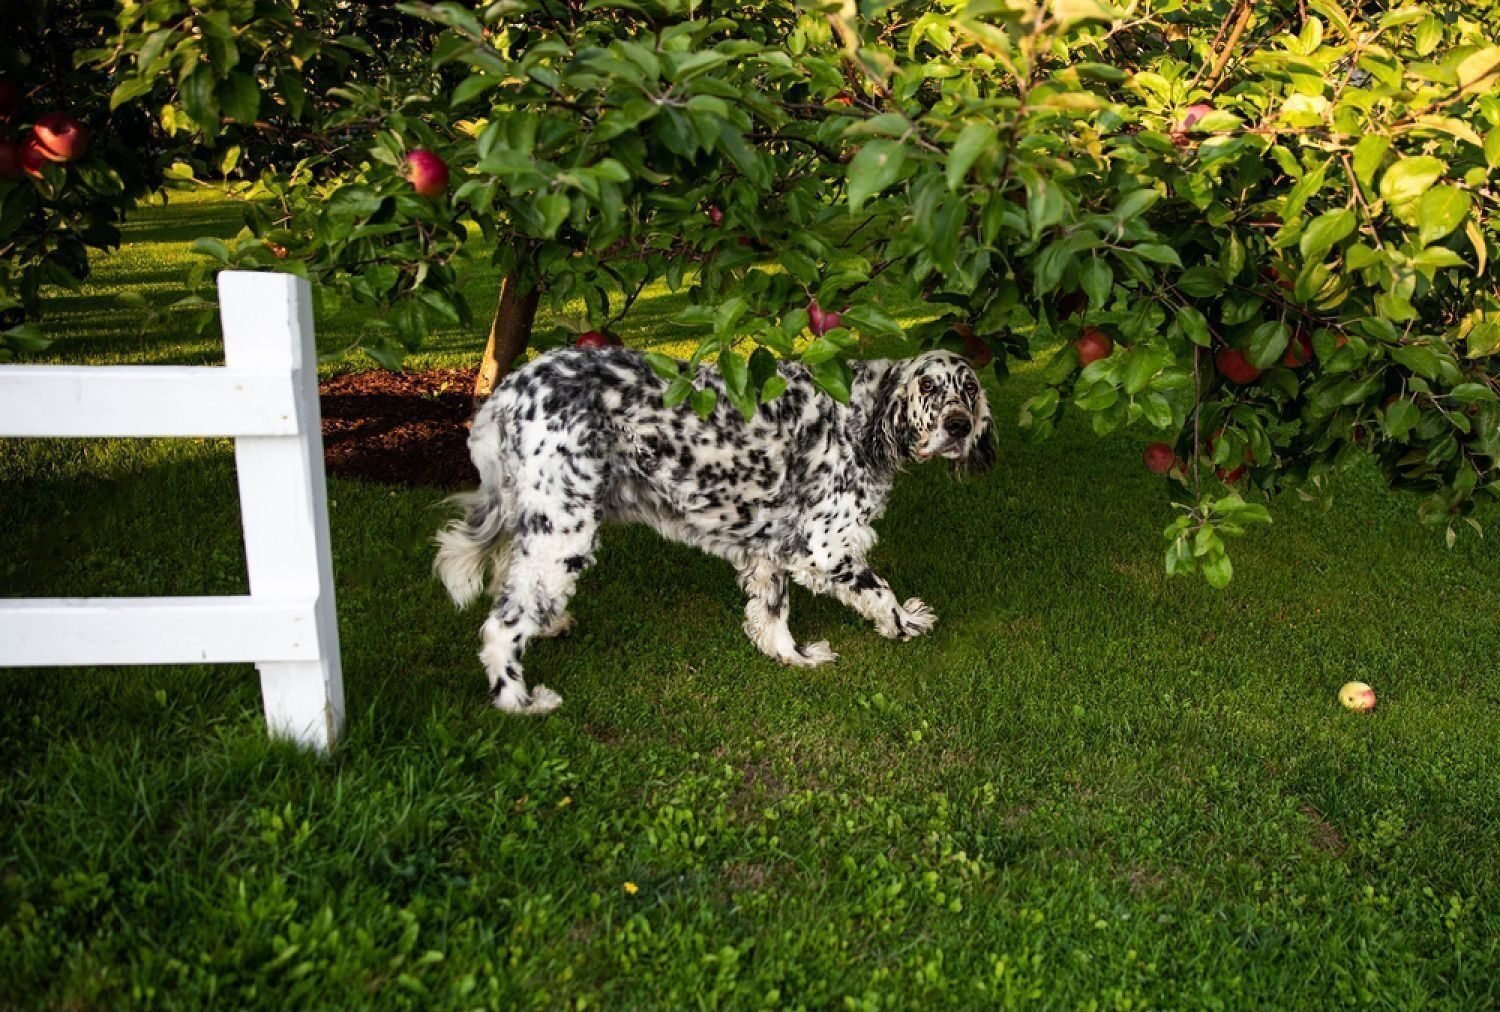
point(1448, 125)
point(1476, 238)
point(1479, 69)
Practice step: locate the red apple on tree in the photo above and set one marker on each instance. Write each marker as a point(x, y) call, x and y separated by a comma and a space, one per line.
point(715, 215)
point(1159, 458)
point(820, 321)
point(427, 172)
point(61, 138)
point(1070, 303)
point(1299, 352)
point(1235, 367)
point(975, 348)
point(1093, 345)
point(1192, 114)
point(592, 339)
point(32, 158)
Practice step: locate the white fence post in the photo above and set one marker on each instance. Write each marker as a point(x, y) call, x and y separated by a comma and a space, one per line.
point(267, 320)
point(266, 398)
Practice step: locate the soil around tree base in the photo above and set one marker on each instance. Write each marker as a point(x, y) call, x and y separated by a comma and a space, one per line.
point(405, 428)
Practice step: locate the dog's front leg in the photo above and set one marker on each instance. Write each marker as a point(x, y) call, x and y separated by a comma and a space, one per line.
point(766, 618)
point(854, 583)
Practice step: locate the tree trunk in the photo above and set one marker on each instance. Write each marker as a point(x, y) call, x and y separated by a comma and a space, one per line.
point(510, 331)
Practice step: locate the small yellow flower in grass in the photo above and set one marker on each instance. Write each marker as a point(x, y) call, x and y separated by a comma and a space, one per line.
point(632, 888)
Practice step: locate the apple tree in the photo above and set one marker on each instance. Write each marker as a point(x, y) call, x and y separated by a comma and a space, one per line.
point(1262, 231)
point(1256, 233)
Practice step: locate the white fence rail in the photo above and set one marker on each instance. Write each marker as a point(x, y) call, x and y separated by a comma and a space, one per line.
point(266, 398)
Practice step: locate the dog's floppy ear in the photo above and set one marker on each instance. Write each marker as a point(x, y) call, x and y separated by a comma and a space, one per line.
point(982, 449)
point(887, 436)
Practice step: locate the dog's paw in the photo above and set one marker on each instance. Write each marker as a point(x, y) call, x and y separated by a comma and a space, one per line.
point(561, 626)
point(917, 618)
point(540, 701)
point(544, 700)
point(812, 655)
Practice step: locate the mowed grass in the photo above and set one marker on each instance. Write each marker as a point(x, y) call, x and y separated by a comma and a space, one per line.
point(1090, 787)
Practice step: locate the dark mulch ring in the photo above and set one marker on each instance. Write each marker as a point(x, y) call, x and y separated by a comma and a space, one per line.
point(399, 427)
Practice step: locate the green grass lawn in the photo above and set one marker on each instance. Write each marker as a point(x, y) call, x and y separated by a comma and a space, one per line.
point(1090, 787)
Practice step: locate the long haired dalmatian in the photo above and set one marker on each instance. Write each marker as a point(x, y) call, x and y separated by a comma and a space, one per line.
point(580, 437)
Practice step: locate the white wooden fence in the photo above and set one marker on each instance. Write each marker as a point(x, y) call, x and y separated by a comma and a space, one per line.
point(266, 398)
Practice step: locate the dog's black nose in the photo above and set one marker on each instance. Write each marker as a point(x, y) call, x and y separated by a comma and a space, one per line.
point(958, 426)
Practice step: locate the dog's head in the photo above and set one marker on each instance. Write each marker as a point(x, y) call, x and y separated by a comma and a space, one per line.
point(937, 408)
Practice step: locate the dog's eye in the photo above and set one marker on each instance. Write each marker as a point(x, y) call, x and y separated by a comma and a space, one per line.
point(971, 388)
point(925, 384)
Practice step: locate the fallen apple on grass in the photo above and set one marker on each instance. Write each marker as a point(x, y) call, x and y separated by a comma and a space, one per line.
point(1357, 696)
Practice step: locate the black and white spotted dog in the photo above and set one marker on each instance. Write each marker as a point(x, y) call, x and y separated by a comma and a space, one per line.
point(579, 437)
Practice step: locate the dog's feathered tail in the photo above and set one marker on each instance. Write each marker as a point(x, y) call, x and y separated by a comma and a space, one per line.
point(471, 544)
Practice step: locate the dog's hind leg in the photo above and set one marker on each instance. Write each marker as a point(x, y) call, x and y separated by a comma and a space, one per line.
point(543, 575)
point(766, 618)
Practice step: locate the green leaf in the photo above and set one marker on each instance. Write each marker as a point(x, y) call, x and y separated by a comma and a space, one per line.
point(665, 366)
point(735, 372)
point(1435, 258)
point(1157, 253)
point(877, 165)
point(1406, 180)
point(1443, 208)
point(198, 100)
point(1097, 280)
point(1420, 360)
point(1483, 339)
point(773, 388)
point(1429, 33)
point(212, 247)
point(1217, 569)
point(1201, 282)
point(1400, 418)
point(1325, 231)
point(1267, 342)
point(975, 140)
point(239, 97)
point(704, 401)
point(1135, 203)
point(554, 210)
point(1473, 393)
point(1368, 154)
point(1044, 205)
point(1194, 326)
point(677, 391)
point(834, 378)
point(130, 88)
point(872, 321)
